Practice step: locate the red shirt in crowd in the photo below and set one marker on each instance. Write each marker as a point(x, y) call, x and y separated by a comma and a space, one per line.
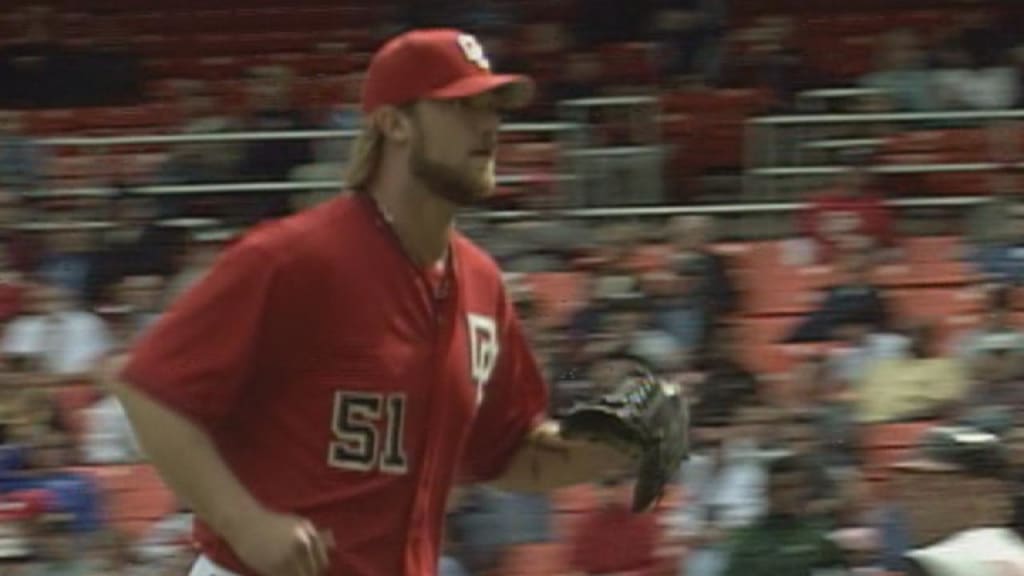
point(836, 215)
point(345, 384)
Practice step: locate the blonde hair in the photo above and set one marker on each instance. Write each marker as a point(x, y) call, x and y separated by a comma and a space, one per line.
point(364, 156)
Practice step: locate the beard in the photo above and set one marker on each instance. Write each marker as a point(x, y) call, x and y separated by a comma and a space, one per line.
point(458, 186)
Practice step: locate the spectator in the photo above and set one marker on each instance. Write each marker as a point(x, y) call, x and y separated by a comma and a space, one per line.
point(488, 521)
point(851, 310)
point(691, 238)
point(784, 541)
point(270, 109)
point(995, 399)
point(1000, 257)
point(724, 379)
point(59, 552)
point(47, 453)
point(690, 33)
point(344, 114)
point(200, 162)
point(107, 436)
point(55, 337)
point(626, 328)
point(974, 80)
point(852, 213)
point(72, 257)
point(612, 539)
point(724, 479)
point(923, 385)
point(582, 78)
point(996, 332)
point(900, 71)
point(21, 160)
point(167, 543)
point(136, 246)
point(770, 62)
point(195, 248)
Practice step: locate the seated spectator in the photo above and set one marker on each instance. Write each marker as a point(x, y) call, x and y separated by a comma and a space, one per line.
point(784, 541)
point(22, 161)
point(996, 331)
point(59, 549)
point(976, 79)
point(825, 396)
point(872, 526)
point(611, 539)
point(724, 480)
point(714, 289)
point(12, 286)
point(769, 62)
point(71, 258)
point(200, 162)
point(581, 78)
point(723, 378)
point(54, 337)
point(923, 385)
point(46, 458)
point(167, 544)
point(1000, 257)
point(995, 399)
point(108, 437)
point(853, 302)
point(270, 109)
point(138, 245)
point(627, 329)
point(900, 71)
point(850, 214)
point(488, 521)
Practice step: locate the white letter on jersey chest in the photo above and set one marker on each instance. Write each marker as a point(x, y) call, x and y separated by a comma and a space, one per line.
point(483, 350)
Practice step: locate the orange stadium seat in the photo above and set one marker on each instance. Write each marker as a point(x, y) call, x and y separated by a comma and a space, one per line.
point(783, 290)
point(934, 303)
point(927, 249)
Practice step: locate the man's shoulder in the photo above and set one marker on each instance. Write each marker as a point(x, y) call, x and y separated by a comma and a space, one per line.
point(321, 228)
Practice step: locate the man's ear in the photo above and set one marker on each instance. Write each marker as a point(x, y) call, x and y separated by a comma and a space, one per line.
point(394, 124)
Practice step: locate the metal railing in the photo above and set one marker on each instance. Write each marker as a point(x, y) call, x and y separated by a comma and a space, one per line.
point(772, 153)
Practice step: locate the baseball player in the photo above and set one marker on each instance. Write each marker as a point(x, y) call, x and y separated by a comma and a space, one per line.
point(319, 393)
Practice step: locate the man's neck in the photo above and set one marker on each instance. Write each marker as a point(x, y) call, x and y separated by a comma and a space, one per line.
point(421, 220)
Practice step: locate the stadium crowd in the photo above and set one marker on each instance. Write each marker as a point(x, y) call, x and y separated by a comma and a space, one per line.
point(794, 431)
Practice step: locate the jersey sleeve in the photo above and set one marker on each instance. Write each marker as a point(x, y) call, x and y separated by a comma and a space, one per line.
point(515, 400)
point(198, 356)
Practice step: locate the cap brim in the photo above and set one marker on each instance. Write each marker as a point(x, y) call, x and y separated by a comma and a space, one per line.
point(514, 90)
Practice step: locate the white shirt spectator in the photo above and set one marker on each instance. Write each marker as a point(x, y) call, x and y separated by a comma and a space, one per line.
point(67, 342)
point(733, 495)
point(108, 437)
point(982, 89)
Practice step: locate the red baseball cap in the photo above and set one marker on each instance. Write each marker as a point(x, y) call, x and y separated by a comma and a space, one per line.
point(437, 64)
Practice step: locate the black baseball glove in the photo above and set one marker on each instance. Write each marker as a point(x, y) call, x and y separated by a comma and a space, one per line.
point(644, 416)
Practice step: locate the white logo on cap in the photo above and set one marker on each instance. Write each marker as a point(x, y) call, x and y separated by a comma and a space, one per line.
point(473, 51)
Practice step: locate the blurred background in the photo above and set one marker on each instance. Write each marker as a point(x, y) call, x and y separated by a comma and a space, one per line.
point(805, 212)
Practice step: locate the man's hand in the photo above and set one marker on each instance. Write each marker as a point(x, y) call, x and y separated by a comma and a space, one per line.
point(282, 545)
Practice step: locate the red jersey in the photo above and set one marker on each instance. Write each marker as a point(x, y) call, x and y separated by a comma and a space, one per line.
point(340, 384)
